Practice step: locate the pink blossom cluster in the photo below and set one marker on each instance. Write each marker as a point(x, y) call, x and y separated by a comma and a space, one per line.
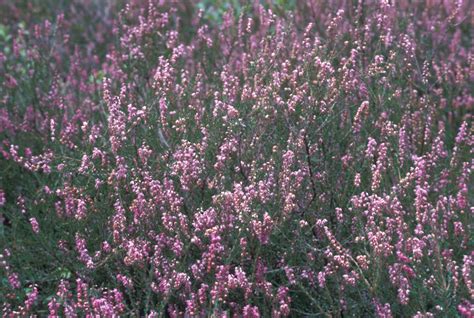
point(165, 158)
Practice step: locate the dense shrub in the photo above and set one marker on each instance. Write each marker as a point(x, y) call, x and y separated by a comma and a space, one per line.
point(289, 158)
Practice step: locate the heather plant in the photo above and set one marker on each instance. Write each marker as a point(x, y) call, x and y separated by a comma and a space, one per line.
point(167, 158)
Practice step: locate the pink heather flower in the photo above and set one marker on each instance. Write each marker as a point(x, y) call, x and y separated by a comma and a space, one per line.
point(403, 145)
point(82, 292)
point(250, 312)
point(98, 183)
point(228, 147)
point(81, 210)
point(461, 138)
point(339, 215)
point(371, 148)
point(31, 298)
point(284, 301)
point(290, 275)
point(106, 247)
point(47, 190)
point(187, 165)
point(122, 168)
point(462, 195)
point(82, 250)
point(322, 279)
point(192, 306)
point(144, 152)
point(466, 273)
point(69, 310)
point(2, 198)
point(14, 281)
point(63, 290)
point(263, 228)
point(363, 261)
point(139, 207)
point(357, 180)
point(362, 112)
point(118, 221)
point(380, 242)
point(400, 281)
point(84, 164)
point(137, 251)
point(466, 309)
point(462, 133)
point(153, 314)
point(176, 192)
point(379, 167)
point(53, 307)
point(102, 307)
point(34, 225)
point(126, 281)
point(214, 250)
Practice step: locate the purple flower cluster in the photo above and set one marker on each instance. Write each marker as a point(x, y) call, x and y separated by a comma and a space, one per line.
point(261, 159)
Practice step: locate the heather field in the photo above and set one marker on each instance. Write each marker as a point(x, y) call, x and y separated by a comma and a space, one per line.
point(259, 158)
